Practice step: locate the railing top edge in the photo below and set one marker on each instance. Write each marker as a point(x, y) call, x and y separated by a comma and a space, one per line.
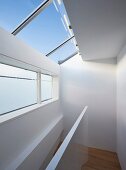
point(56, 159)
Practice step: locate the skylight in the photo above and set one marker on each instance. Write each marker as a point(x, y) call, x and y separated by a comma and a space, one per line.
point(13, 12)
point(46, 31)
point(45, 26)
point(64, 52)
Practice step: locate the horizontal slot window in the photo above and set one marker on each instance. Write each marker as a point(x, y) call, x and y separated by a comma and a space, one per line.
point(18, 88)
point(10, 71)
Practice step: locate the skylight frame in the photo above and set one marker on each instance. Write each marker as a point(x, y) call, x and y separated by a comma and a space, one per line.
point(30, 17)
point(59, 46)
point(66, 51)
point(72, 55)
point(35, 13)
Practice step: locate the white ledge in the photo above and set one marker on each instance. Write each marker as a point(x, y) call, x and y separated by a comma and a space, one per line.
point(19, 160)
point(21, 112)
point(56, 159)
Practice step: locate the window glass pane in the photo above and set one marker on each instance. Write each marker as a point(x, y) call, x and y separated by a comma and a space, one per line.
point(45, 77)
point(13, 12)
point(16, 92)
point(64, 52)
point(10, 71)
point(46, 87)
point(46, 31)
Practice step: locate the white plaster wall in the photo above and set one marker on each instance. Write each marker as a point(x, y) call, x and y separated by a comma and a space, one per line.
point(121, 108)
point(91, 83)
point(20, 134)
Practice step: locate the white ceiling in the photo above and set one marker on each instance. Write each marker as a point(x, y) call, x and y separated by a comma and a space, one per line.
point(99, 26)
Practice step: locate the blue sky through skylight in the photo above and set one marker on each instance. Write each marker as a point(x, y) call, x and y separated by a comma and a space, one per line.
point(64, 52)
point(13, 12)
point(45, 32)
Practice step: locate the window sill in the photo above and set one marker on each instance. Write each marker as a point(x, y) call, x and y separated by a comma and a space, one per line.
point(21, 112)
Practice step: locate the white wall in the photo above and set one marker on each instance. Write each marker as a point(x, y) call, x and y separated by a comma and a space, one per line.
point(26, 136)
point(94, 84)
point(19, 135)
point(121, 108)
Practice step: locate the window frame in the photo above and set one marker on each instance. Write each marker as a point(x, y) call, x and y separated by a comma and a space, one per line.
point(51, 88)
point(13, 77)
point(38, 90)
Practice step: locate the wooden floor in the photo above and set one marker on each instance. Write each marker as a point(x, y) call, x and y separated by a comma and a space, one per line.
point(101, 160)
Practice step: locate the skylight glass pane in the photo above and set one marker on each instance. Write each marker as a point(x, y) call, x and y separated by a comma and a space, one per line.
point(46, 31)
point(65, 20)
point(64, 52)
point(12, 12)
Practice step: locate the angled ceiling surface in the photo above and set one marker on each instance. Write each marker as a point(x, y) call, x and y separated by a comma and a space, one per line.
point(99, 26)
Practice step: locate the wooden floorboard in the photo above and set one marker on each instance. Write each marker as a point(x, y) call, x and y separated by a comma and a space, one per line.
point(101, 160)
